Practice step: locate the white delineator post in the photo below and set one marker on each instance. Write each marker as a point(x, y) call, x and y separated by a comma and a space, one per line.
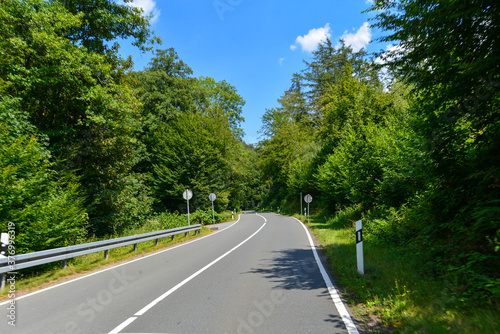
point(4, 241)
point(300, 212)
point(359, 247)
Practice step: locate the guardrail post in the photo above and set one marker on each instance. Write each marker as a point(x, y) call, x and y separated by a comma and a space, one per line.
point(156, 242)
point(173, 237)
point(186, 234)
point(3, 278)
point(65, 264)
point(106, 254)
point(135, 247)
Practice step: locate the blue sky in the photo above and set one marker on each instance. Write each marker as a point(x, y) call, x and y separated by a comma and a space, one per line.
point(255, 45)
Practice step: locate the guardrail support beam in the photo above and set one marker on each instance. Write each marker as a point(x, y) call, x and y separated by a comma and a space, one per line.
point(3, 278)
point(156, 242)
point(64, 253)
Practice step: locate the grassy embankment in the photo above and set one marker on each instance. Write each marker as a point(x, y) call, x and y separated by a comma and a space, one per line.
point(394, 288)
point(32, 279)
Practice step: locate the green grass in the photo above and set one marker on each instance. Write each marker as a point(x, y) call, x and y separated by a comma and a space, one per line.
point(394, 288)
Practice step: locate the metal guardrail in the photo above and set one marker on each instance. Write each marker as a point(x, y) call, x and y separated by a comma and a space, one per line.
point(22, 261)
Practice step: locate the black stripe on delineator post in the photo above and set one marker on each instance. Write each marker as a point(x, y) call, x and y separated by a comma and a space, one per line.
point(359, 236)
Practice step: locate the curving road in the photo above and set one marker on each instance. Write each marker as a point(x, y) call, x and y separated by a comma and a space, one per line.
point(259, 275)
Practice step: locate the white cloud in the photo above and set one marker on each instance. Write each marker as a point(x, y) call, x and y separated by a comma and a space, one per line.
point(359, 39)
point(369, 2)
point(310, 41)
point(396, 50)
point(148, 6)
point(388, 57)
point(281, 61)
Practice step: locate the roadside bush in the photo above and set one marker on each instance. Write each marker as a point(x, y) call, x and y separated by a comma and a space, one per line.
point(204, 217)
point(168, 220)
point(47, 213)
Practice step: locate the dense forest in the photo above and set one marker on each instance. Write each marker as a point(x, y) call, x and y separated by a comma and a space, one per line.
point(407, 139)
point(92, 147)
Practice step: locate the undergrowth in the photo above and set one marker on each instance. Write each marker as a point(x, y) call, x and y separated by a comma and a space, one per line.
point(397, 285)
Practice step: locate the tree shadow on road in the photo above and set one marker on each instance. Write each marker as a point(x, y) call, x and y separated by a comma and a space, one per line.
point(292, 269)
point(296, 269)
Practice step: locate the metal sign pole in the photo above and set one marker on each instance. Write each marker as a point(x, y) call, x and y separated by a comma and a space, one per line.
point(189, 222)
point(188, 194)
point(308, 213)
point(212, 198)
point(213, 212)
point(308, 198)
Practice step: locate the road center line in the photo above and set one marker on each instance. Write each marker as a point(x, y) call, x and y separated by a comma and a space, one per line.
point(178, 286)
point(123, 325)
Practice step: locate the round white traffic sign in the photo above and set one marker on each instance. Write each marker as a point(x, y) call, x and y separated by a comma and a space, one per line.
point(308, 198)
point(212, 197)
point(187, 194)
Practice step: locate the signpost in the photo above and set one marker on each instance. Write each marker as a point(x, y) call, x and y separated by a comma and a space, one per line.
point(187, 194)
point(212, 198)
point(359, 247)
point(308, 199)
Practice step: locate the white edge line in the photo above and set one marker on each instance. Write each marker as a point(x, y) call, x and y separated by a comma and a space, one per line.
point(178, 286)
point(119, 265)
point(351, 327)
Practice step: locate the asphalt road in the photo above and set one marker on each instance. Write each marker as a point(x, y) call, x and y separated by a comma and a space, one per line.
point(259, 275)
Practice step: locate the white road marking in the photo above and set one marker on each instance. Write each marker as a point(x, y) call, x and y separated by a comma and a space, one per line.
point(123, 325)
point(178, 286)
point(349, 324)
point(119, 265)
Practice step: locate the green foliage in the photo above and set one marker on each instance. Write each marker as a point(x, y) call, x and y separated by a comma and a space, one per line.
point(287, 140)
point(205, 217)
point(189, 156)
point(64, 84)
point(104, 21)
point(222, 97)
point(395, 287)
point(327, 67)
point(76, 98)
point(47, 210)
point(451, 61)
point(246, 187)
point(418, 156)
point(167, 220)
point(165, 89)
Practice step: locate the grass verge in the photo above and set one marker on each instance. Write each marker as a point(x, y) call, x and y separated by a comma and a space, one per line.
point(394, 289)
